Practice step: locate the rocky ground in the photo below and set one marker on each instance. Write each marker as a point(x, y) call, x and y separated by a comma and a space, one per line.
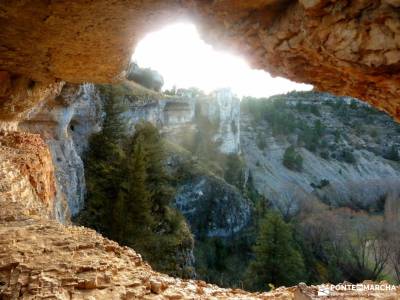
point(43, 259)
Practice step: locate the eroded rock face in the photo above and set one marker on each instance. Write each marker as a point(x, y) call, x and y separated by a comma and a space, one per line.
point(18, 94)
point(213, 207)
point(223, 109)
point(345, 47)
point(65, 123)
point(27, 185)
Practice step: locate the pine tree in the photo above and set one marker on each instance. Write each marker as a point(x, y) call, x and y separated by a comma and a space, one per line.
point(129, 192)
point(277, 260)
point(166, 230)
point(133, 219)
point(102, 168)
point(393, 154)
point(292, 160)
point(139, 204)
point(157, 178)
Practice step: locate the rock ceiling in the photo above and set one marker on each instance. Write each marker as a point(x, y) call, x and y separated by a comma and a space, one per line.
point(345, 47)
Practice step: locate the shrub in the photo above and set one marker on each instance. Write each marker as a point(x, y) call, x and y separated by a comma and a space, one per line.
point(324, 155)
point(260, 141)
point(322, 183)
point(314, 110)
point(393, 154)
point(292, 160)
point(373, 133)
point(234, 167)
point(348, 157)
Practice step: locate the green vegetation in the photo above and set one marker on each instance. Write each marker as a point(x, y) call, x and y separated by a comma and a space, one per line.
point(393, 154)
point(260, 141)
point(292, 160)
point(302, 123)
point(348, 157)
point(128, 92)
point(233, 166)
point(277, 260)
point(281, 121)
point(129, 193)
point(223, 260)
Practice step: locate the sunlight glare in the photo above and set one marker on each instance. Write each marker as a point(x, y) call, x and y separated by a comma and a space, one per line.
point(185, 60)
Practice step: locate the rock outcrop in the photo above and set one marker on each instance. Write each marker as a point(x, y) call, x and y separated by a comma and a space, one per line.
point(27, 185)
point(65, 123)
point(345, 47)
point(223, 109)
point(213, 207)
point(146, 77)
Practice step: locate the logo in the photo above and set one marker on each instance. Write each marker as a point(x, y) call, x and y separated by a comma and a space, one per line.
point(324, 291)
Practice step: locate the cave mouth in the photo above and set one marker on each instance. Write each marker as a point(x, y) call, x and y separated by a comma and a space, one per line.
point(184, 60)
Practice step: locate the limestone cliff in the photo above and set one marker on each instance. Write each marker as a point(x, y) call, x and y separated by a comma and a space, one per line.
point(65, 123)
point(223, 108)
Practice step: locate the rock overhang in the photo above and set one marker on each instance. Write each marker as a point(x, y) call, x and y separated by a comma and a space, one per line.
point(345, 47)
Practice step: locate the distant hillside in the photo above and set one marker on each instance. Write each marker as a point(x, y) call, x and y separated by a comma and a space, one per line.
point(304, 144)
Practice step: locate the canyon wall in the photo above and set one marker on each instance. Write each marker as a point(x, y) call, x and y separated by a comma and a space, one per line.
point(40, 258)
point(360, 180)
point(346, 47)
point(67, 121)
point(223, 108)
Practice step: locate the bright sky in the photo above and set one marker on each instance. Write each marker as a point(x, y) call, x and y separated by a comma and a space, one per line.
point(185, 60)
